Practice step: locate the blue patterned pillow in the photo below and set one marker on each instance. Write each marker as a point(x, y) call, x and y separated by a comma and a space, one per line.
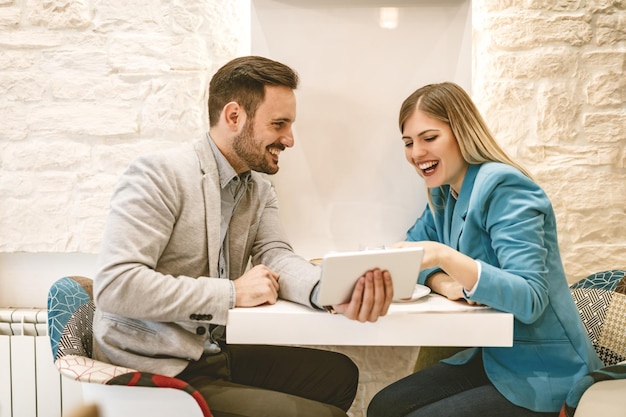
point(70, 318)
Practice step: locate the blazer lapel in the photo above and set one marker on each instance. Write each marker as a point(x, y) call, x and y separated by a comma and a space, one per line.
point(212, 207)
point(460, 209)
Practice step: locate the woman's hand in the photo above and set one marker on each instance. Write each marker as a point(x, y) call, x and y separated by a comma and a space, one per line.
point(445, 285)
point(433, 252)
point(459, 270)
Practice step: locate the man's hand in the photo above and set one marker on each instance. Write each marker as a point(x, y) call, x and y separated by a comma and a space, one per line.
point(257, 286)
point(371, 297)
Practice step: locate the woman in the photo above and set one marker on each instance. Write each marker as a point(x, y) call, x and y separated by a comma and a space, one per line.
point(489, 234)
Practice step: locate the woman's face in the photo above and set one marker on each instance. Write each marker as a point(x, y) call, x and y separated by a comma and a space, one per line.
point(430, 146)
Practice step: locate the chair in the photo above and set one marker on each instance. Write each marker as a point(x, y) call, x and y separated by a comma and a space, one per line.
point(601, 302)
point(115, 390)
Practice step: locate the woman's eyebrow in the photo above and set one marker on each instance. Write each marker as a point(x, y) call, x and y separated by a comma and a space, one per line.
point(422, 133)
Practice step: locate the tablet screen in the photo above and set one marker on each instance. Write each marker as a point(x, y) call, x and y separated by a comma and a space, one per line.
point(340, 271)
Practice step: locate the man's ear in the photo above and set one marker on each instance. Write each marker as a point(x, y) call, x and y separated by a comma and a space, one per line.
point(234, 116)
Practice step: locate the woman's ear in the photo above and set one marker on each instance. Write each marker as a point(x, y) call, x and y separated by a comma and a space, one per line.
point(234, 116)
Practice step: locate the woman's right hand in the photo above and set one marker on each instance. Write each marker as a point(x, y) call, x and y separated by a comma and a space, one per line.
point(458, 271)
point(443, 284)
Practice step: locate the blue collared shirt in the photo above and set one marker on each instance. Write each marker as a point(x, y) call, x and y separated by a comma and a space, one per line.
point(232, 189)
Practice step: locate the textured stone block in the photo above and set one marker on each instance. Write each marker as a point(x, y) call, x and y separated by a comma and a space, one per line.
point(45, 155)
point(59, 14)
point(9, 16)
point(607, 89)
point(14, 124)
point(84, 118)
point(558, 110)
point(523, 31)
point(609, 127)
point(548, 62)
point(611, 28)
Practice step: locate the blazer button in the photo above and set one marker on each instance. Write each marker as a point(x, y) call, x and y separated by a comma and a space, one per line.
point(200, 330)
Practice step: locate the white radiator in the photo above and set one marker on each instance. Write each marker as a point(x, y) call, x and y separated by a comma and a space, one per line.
point(30, 385)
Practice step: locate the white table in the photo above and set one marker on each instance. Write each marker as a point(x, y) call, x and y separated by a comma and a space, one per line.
point(430, 321)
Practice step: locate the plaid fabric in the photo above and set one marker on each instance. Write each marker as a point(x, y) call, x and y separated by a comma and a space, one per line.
point(601, 302)
point(70, 318)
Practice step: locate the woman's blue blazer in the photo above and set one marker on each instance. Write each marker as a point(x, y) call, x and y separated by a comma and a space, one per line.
point(504, 220)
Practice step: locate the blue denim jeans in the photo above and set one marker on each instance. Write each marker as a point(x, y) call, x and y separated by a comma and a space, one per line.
point(444, 390)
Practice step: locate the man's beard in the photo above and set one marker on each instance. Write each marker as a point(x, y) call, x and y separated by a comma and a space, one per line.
point(245, 147)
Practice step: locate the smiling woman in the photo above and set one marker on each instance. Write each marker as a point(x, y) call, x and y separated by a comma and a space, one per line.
point(430, 146)
point(489, 237)
point(437, 129)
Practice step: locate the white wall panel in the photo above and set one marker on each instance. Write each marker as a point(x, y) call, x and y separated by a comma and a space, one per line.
point(345, 184)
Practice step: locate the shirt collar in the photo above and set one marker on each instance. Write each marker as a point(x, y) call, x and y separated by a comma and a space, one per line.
point(225, 170)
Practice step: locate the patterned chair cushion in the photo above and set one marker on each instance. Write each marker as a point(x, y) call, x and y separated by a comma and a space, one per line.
point(84, 369)
point(70, 318)
point(146, 379)
point(70, 326)
point(601, 302)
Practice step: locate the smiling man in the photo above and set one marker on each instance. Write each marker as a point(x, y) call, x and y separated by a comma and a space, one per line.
point(183, 229)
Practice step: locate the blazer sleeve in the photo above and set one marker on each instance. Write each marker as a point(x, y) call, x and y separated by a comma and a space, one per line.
point(519, 227)
point(151, 211)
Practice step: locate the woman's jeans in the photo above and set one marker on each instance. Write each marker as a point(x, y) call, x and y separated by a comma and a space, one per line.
point(444, 390)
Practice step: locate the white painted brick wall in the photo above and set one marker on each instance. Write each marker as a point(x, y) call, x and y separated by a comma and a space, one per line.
point(86, 85)
point(550, 78)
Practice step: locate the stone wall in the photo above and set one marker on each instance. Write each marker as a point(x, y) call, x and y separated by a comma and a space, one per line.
point(550, 79)
point(86, 85)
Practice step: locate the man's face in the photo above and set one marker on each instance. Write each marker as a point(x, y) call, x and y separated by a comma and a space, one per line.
point(263, 138)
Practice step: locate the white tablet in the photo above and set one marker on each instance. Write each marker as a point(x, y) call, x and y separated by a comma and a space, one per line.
point(340, 271)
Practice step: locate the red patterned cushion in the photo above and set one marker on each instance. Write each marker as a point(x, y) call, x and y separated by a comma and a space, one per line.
point(146, 379)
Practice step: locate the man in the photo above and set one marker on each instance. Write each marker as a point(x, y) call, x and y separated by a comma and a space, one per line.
point(184, 226)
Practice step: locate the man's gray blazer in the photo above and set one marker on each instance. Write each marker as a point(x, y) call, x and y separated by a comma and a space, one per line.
point(156, 289)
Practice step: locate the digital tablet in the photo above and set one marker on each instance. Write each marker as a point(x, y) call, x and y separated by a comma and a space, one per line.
point(340, 271)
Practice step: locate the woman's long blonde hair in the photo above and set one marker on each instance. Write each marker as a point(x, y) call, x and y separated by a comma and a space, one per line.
point(450, 104)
